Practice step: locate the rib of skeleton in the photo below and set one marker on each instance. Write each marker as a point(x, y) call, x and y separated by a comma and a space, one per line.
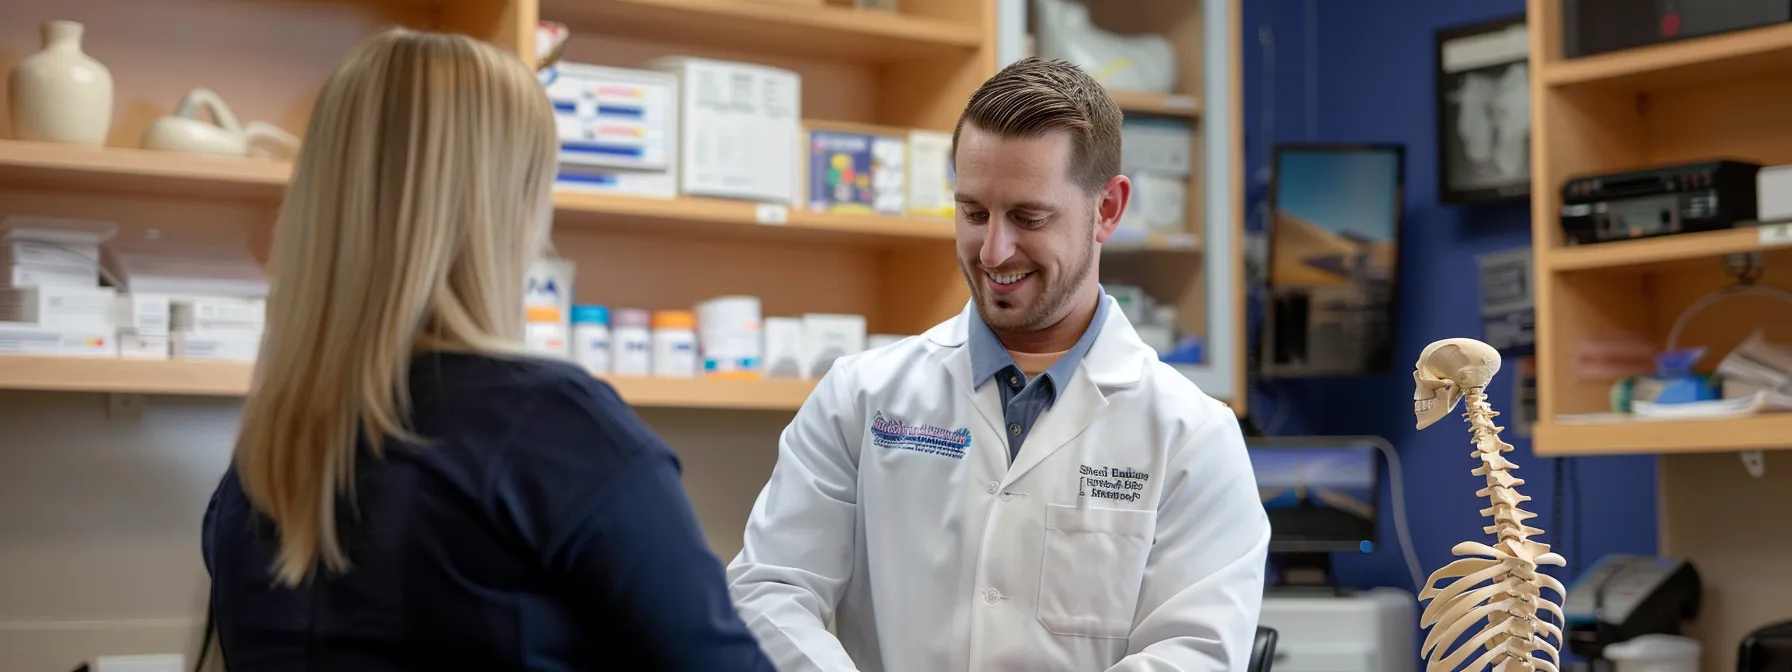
point(1499, 583)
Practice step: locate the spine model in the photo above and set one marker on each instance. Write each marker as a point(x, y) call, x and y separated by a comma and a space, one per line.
point(1498, 584)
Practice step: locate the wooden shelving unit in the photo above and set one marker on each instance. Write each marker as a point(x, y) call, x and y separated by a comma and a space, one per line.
point(1650, 252)
point(780, 28)
point(1633, 109)
point(38, 165)
point(230, 379)
point(1730, 57)
point(1716, 97)
point(136, 171)
point(1159, 104)
point(911, 69)
point(1760, 432)
point(1171, 267)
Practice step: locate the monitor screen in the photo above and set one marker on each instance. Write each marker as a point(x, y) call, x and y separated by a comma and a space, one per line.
point(1319, 491)
point(1333, 248)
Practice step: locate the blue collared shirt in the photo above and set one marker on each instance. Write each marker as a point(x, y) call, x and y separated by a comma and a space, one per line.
point(1024, 400)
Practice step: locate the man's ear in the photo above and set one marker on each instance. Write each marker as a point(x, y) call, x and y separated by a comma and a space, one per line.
point(1113, 198)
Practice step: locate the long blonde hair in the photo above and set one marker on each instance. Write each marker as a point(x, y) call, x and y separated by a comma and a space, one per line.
point(419, 197)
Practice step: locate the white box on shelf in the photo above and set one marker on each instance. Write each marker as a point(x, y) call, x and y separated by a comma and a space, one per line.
point(930, 180)
point(56, 307)
point(1773, 194)
point(135, 344)
point(174, 271)
point(739, 129)
point(50, 276)
point(57, 230)
point(18, 338)
point(219, 344)
point(827, 337)
point(1156, 145)
point(783, 347)
point(618, 129)
point(73, 256)
point(547, 296)
point(188, 313)
point(1159, 203)
point(143, 313)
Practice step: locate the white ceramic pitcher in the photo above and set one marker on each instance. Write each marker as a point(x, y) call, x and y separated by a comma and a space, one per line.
point(185, 131)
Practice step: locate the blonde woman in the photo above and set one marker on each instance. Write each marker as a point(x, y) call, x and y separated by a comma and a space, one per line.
point(409, 490)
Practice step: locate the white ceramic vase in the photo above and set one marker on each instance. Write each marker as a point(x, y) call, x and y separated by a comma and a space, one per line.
point(60, 94)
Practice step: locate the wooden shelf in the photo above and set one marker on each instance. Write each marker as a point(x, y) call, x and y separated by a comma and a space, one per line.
point(125, 376)
point(136, 171)
point(1131, 242)
point(1631, 253)
point(577, 208)
point(1758, 432)
point(139, 171)
point(1702, 60)
point(231, 379)
point(769, 27)
point(1163, 104)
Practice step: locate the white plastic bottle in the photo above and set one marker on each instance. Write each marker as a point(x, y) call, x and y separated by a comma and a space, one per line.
point(631, 347)
point(591, 338)
point(674, 344)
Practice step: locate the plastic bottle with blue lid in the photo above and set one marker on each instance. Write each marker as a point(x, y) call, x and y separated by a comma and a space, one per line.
point(591, 337)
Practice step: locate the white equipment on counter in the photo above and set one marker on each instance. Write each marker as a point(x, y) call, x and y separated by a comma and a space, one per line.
point(1370, 631)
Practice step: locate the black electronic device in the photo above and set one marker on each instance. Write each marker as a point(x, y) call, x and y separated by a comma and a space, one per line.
point(1319, 493)
point(1598, 26)
point(1625, 596)
point(1658, 201)
point(1767, 649)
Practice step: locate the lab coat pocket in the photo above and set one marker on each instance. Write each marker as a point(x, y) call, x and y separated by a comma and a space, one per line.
point(1093, 565)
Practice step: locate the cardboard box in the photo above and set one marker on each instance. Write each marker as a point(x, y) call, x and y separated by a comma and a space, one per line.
point(618, 128)
point(859, 169)
point(739, 129)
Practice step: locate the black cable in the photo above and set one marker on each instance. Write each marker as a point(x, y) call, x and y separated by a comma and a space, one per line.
point(1575, 526)
point(1558, 505)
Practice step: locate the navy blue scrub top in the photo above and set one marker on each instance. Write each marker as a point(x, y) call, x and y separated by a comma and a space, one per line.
point(543, 527)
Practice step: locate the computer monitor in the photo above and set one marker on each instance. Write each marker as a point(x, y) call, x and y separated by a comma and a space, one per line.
point(1319, 493)
point(1333, 251)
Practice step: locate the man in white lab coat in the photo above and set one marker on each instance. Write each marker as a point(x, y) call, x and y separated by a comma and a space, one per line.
point(1024, 487)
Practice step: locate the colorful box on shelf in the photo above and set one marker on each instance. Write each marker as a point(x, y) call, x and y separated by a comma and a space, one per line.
point(857, 171)
point(618, 128)
point(859, 168)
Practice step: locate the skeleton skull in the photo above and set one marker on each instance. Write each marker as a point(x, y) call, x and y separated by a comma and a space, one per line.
point(1447, 369)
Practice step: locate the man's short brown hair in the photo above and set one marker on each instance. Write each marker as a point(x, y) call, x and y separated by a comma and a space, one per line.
point(1034, 97)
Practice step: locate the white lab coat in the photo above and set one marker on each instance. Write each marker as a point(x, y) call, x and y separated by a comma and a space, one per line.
point(1127, 535)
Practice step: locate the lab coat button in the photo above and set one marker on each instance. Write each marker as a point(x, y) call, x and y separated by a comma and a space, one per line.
point(1007, 496)
point(993, 486)
point(1014, 429)
point(991, 596)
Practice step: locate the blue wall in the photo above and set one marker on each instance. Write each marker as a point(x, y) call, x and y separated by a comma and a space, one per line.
point(1369, 69)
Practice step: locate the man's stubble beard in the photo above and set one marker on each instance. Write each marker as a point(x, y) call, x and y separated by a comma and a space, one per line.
point(1051, 302)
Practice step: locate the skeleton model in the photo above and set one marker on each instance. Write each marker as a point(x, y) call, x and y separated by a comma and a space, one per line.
point(1498, 583)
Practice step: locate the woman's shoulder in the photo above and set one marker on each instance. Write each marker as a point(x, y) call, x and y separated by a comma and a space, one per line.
point(553, 402)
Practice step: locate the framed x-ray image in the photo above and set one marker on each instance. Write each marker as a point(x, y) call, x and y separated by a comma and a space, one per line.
point(1484, 111)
